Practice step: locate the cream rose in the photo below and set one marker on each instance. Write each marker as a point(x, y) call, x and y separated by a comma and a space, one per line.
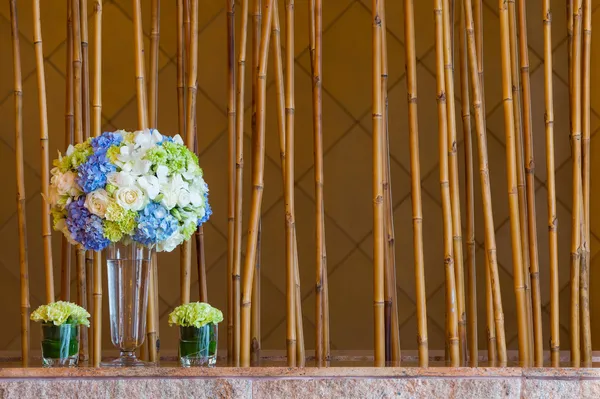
point(66, 183)
point(130, 198)
point(97, 202)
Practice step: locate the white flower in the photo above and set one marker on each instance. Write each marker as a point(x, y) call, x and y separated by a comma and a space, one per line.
point(162, 172)
point(65, 183)
point(170, 243)
point(97, 201)
point(150, 185)
point(177, 139)
point(141, 167)
point(184, 198)
point(131, 198)
point(169, 199)
point(70, 150)
point(171, 190)
point(196, 198)
point(121, 179)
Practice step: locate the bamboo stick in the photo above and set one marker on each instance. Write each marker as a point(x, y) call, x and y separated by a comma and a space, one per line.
point(521, 194)
point(89, 292)
point(233, 326)
point(41, 81)
point(441, 96)
point(569, 4)
point(471, 281)
point(513, 199)
point(255, 310)
point(201, 264)
point(21, 197)
point(534, 284)
point(392, 333)
point(192, 59)
point(85, 69)
point(577, 197)
point(490, 236)
point(96, 131)
point(66, 249)
point(281, 100)
point(258, 184)
point(552, 217)
point(180, 56)
point(586, 332)
point(232, 137)
point(415, 178)
point(489, 298)
point(448, 29)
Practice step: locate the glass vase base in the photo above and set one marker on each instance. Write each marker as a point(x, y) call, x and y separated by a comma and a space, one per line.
point(127, 361)
point(70, 361)
point(201, 361)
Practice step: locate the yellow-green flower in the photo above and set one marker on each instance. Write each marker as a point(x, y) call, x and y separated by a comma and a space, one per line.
point(60, 313)
point(195, 314)
point(112, 153)
point(112, 231)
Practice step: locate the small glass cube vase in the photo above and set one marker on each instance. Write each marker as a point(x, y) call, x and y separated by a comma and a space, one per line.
point(60, 345)
point(198, 346)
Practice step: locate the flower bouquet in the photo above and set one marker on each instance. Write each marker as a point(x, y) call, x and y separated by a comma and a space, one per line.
point(131, 193)
point(60, 332)
point(198, 333)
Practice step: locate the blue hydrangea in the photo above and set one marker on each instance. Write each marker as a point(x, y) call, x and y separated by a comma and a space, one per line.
point(155, 224)
point(85, 228)
point(92, 173)
point(207, 210)
point(105, 141)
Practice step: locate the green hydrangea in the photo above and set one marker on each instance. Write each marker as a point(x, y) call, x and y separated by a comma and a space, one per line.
point(175, 157)
point(112, 153)
point(123, 219)
point(112, 231)
point(195, 314)
point(60, 313)
point(57, 215)
point(63, 163)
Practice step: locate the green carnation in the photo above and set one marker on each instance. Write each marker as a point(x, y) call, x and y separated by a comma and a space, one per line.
point(157, 155)
point(195, 314)
point(123, 219)
point(63, 163)
point(112, 153)
point(57, 215)
point(60, 313)
point(112, 231)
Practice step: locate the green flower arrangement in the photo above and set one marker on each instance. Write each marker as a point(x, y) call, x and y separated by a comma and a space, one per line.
point(195, 314)
point(59, 313)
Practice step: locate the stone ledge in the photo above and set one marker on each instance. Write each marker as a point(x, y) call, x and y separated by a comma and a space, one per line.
point(281, 382)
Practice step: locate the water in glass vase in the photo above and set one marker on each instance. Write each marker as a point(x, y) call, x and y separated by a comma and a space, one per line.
point(128, 269)
point(198, 346)
point(60, 345)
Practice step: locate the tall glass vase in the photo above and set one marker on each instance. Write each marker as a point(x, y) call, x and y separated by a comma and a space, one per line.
point(128, 277)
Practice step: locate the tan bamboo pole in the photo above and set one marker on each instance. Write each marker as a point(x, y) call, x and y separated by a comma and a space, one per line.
point(96, 131)
point(534, 282)
point(471, 281)
point(258, 184)
point(448, 29)
point(415, 178)
point(85, 69)
point(152, 332)
point(513, 199)
point(521, 194)
point(552, 216)
point(255, 310)
point(490, 237)
point(41, 80)
point(586, 332)
point(569, 4)
point(180, 56)
point(489, 298)
point(441, 96)
point(233, 321)
point(281, 100)
point(21, 197)
point(79, 137)
point(231, 134)
point(378, 211)
point(66, 249)
point(577, 200)
point(192, 73)
point(392, 332)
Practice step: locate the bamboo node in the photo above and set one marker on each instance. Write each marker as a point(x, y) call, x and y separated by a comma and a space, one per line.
point(441, 98)
point(378, 200)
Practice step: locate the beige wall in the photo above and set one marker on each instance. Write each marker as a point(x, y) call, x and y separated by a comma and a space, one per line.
point(347, 141)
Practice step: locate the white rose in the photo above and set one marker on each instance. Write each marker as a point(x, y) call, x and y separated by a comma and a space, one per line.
point(121, 179)
point(184, 198)
point(97, 202)
point(65, 183)
point(170, 243)
point(150, 185)
point(170, 199)
point(131, 198)
point(196, 198)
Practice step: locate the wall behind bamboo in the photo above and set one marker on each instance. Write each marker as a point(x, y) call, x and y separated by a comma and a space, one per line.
point(347, 143)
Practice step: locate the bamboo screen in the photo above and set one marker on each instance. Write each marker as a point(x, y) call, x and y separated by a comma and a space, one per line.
point(342, 68)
